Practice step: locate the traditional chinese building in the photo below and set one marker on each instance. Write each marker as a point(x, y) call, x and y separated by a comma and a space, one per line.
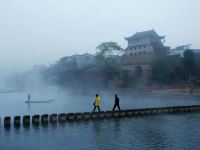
point(76, 61)
point(143, 48)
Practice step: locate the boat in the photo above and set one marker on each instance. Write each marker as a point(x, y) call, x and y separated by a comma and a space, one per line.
point(6, 91)
point(42, 101)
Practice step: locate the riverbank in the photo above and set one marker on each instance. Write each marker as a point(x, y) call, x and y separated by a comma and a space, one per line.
point(177, 91)
point(169, 91)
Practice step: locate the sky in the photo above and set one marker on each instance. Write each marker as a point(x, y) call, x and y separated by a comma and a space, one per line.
point(34, 32)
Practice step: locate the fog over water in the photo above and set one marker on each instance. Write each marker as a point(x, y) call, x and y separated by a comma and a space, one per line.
point(65, 102)
point(42, 31)
point(35, 34)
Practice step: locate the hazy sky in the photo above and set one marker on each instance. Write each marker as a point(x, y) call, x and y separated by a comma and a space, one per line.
point(41, 31)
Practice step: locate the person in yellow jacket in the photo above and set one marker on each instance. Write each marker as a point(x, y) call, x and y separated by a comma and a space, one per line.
point(97, 102)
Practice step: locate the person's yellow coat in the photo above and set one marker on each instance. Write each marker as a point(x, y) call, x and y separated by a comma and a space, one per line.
point(97, 101)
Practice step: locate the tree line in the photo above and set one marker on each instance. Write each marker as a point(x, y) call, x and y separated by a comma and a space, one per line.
point(177, 70)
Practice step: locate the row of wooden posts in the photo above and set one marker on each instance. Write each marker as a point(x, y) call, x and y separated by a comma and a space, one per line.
point(63, 117)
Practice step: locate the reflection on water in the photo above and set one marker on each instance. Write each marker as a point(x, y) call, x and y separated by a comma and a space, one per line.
point(29, 107)
point(180, 131)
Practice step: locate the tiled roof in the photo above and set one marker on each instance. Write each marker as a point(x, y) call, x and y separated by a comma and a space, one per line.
point(149, 33)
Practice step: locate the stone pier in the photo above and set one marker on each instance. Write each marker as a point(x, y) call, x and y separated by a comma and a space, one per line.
point(63, 117)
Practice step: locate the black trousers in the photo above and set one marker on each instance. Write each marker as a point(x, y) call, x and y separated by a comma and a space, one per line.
point(116, 105)
point(96, 107)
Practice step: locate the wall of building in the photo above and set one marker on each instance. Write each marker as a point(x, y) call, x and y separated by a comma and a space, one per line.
point(138, 42)
point(139, 50)
point(139, 57)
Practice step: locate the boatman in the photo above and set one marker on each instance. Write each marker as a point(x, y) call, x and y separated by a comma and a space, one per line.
point(116, 102)
point(29, 98)
point(97, 102)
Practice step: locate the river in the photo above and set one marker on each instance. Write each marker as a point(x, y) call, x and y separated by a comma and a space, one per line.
point(176, 131)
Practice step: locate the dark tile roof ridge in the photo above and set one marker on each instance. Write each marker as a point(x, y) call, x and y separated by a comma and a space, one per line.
point(143, 34)
point(85, 54)
point(77, 55)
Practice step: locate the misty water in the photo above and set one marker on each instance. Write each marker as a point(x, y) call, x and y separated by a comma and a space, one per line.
point(13, 103)
point(177, 131)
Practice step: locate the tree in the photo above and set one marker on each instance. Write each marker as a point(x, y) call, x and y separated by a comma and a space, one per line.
point(197, 66)
point(106, 57)
point(161, 71)
point(189, 62)
point(108, 48)
point(178, 73)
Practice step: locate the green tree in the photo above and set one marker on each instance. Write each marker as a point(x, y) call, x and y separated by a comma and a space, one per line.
point(197, 66)
point(161, 71)
point(108, 48)
point(178, 73)
point(106, 57)
point(189, 62)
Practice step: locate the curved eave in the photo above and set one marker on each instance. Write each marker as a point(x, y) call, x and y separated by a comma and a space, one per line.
point(126, 38)
point(162, 37)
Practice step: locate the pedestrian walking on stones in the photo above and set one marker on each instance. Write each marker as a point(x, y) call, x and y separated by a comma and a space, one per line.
point(116, 102)
point(97, 102)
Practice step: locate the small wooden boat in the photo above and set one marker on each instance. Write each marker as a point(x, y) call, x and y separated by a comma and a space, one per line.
point(43, 101)
point(6, 91)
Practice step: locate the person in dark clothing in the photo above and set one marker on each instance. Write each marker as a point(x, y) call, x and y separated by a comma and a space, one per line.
point(116, 102)
point(29, 97)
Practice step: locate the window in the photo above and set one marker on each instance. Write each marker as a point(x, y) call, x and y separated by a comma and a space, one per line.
point(131, 54)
